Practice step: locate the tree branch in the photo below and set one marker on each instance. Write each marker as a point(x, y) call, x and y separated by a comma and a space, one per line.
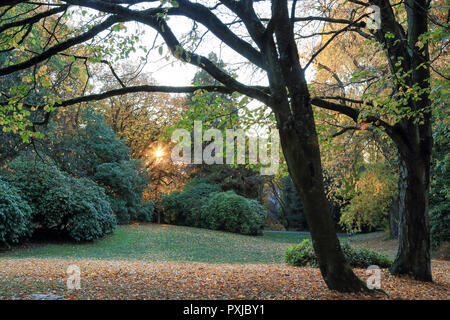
point(33, 19)
point(62, 46)
point(143, 88)
point(354, 114)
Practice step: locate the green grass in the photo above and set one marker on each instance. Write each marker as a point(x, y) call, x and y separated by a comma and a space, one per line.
point(152, 242)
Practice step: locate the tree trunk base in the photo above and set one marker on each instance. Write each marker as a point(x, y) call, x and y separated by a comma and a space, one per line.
point(413, 257)
point(401, 267)
point(344, 280)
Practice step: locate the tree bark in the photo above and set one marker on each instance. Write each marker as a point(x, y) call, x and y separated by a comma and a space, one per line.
point(394, 219)
point(301, 150)
point(298, 135)
point(412, 135)
point(413, 257)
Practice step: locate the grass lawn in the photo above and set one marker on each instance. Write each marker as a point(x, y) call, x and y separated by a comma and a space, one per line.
point(152, 242)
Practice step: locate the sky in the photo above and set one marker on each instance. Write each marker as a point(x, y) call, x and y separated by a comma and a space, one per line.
point(167, 70)
point(175, 73)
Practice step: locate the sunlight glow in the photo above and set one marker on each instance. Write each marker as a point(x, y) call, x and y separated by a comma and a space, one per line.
point(159, 153)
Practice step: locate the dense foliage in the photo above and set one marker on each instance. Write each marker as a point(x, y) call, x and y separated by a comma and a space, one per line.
point(303, 254)
point(183, 208)
point(62, 206)
point(440, 183)
point(93, 151)
point(124, 182)
point(291, 211)
point(90, 215)
point(245, 181)
point(207, 206)
point(228, 211)
point(369, 206)
point(15, 215)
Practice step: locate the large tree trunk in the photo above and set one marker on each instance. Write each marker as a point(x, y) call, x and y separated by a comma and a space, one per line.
point(413, 257)
point(301, 150)
point(394, 218)
point(295, 121)
point(412, 135)
point(414, 144)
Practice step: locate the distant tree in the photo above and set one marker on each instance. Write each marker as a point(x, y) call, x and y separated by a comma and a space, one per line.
point(291, 211)
point(90, 148)
point(368, 208)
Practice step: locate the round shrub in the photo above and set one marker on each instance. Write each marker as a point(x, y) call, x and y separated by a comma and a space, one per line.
point(44, 187)
point(90, 215)
point(228, 211)
point(62, 206)
point(303, 254)
point(52, 208)
point(183, 208)
point(15, 215)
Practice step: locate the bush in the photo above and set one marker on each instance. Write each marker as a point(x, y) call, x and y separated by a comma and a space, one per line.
point(228, 211)
point(174, 209)
point(90, 215)
point(124, 182)
point(204, 205)
point(94, 151)
point(303, 254)
point(145, 211)
point(43, 186)
point(120, 209)
point(62, 205)
point(364, 257)
point(15, 215)
point(183, 208)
